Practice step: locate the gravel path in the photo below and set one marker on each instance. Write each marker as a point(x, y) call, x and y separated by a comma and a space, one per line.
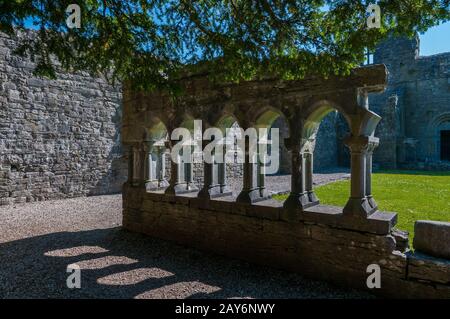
point(39, 240)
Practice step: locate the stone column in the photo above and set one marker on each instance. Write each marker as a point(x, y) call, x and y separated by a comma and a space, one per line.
point(262, 176)
point(189, 185)
point(174, 173)
point(222, 172)
point(138, 165)
point(358, 205)
point(161, 166)
point(211, 186)
point(130, 152)
point(309, 167)
point(371, 147)
point(151, 182)
point(181, 175)
point(250, 192)
point(298, 197)
point(262, 157)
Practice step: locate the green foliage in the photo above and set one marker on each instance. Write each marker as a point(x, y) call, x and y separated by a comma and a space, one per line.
point(151, 43)
point(414, 195)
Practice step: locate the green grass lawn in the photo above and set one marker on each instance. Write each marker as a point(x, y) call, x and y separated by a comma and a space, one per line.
point(413, 195)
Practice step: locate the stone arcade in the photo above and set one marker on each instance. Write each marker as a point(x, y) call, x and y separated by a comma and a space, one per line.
point(61, 138)
point(326, 242)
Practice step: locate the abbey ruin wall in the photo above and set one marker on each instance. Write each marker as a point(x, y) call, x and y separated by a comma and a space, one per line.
point(58, 138)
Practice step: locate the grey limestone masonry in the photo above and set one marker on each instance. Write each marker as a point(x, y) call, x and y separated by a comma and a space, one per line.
point(318, 242)
point(415, 131)
point(58, 138)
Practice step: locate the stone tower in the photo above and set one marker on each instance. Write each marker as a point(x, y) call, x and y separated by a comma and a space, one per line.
point(396, 54)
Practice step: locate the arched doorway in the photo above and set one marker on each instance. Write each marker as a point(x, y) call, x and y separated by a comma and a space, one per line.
point(440, 137)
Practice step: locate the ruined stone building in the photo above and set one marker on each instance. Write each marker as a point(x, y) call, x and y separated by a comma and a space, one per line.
point(61, 138)
point(415, 130)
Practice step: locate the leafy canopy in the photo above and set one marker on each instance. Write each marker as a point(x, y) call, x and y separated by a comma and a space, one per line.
point(151, 42)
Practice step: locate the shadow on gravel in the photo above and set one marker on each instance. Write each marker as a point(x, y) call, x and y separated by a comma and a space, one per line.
point(119, 264)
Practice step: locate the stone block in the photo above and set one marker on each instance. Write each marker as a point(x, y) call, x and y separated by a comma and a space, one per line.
point(199, 203)
point(402, 239)
point(432, 238)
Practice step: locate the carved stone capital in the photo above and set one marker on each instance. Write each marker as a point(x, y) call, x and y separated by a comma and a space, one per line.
point(308, 145)
point(373, 144)
point(302, 145)
point(361, 144)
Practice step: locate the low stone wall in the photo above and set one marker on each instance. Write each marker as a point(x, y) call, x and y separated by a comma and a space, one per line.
point(320, 242)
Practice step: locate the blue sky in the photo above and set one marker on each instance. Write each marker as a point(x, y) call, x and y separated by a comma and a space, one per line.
point(435, 40)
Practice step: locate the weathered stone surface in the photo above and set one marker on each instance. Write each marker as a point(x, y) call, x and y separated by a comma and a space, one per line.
point(423, 267)
point(58, 138)
point(402, 239)
point(378, 223)
point(415, 107)
point(61, 138)
point(432, 238)
point(328, 252)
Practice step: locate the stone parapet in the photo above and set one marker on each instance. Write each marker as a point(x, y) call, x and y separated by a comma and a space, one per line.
point(318, 243)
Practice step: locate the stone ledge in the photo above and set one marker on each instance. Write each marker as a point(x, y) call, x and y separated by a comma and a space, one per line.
point(380, 223)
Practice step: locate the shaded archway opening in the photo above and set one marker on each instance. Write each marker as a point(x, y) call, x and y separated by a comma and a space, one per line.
point(322, 151)
point(330, 152)
point(181, 159)
point(444, 141)
point(327, 128)
point(156, 154)
point(233, 168)
point(274, 158)
point(445, 145)
point(437, 139)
